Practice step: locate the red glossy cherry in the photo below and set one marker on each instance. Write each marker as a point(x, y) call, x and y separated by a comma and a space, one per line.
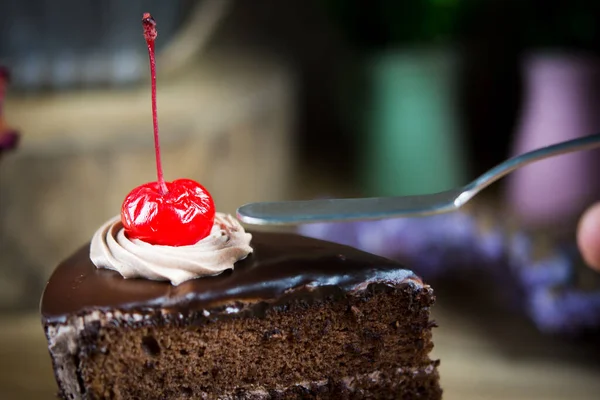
point(177, 213)
point(183, 216)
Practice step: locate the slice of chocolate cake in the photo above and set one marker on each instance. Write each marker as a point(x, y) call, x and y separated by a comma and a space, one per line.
point(298, 318)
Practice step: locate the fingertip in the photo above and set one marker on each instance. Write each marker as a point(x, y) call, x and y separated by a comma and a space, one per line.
point(588, 236)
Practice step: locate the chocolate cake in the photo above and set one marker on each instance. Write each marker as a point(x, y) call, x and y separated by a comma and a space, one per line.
point(298, 318)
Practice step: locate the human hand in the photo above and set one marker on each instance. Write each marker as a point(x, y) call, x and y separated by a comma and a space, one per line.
point(588, 236)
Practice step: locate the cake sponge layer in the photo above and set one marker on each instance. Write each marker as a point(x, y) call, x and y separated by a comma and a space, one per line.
point(366, 343)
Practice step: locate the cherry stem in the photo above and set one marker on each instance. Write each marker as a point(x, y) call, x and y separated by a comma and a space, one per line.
point(150, 34)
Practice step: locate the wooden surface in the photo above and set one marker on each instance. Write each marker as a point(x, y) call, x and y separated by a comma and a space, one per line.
point(478, 362)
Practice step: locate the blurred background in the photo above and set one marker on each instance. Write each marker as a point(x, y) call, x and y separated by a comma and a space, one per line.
point(274, 100)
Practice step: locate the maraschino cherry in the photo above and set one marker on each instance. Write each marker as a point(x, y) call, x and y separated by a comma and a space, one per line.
point(177, 213)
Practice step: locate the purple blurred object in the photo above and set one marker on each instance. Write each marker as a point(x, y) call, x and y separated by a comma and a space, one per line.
point(545, 288)
point(562, 96)
point(9, 138)
point(8, 141)
point(432, 243)
point(564, 311)
point(5, 73)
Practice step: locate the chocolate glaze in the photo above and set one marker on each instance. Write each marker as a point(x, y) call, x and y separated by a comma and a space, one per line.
point(280, 262)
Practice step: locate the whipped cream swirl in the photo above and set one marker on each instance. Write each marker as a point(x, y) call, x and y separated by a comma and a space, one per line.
point(134, 258)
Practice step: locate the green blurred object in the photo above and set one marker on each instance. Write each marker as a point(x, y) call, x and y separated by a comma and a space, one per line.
point(411, 133)
point(406, 121)
point(407, 124)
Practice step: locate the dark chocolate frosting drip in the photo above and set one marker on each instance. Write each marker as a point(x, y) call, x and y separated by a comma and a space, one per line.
point(280, 263)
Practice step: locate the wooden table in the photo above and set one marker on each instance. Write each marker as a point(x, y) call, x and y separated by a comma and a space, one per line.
point(478, 361)
point(488, 352)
